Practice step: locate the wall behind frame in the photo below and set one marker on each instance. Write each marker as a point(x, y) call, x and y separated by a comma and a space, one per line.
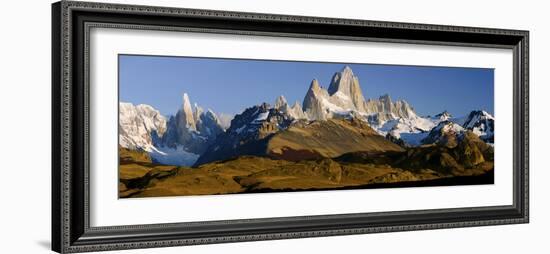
point(25, 124)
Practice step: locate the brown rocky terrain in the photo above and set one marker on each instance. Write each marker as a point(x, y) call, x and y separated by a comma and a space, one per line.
point(467, 157)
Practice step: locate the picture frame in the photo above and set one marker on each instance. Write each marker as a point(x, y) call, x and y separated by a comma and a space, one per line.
point(71, 197)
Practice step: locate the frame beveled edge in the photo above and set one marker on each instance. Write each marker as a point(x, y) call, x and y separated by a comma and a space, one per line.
point(71, 234)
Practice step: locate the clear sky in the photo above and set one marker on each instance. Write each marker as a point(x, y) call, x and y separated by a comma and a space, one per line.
point(230, 85)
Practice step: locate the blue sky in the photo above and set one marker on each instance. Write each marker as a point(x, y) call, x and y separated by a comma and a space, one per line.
point(230, 85)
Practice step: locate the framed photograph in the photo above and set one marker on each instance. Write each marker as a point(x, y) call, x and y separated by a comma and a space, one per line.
point(182, 126)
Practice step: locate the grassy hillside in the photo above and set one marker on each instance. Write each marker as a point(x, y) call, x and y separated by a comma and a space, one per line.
point(326, 139)
point(262, 174)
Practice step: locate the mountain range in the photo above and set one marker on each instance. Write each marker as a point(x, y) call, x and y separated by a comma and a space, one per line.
point(328, 123)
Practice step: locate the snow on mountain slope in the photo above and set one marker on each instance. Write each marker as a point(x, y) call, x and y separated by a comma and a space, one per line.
point(225, 120)
point(443, 132)
point(173, 156)
point(259, 120)
point(482, 124)
point(443, 116)
point(413, 129)
point(139, 126)
point(410, 130)
point(295, 111)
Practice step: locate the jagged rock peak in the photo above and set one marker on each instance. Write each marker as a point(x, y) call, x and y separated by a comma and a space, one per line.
point(313, 104)
point(188, 117)
point(346, 84)
point(210, 112)
point(385, 103)
point(197, 113)
point(341, 81)
point(403, 109)
point(209, 124)
point(481, 113)
point(344, 96)
point(347, 69)
point(264, 106)
point(296, 111)
point(385, 97)
point(186, 102)
point(314, 92)
point(314, 85)
point(477, 117)
point(443, 116)
point(297, 105)
point(191, 129)
point(448, 126)
point(481, 123)
point(281, 102)
point(445, 133)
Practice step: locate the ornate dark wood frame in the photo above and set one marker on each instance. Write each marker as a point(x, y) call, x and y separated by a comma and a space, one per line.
point(71, 22)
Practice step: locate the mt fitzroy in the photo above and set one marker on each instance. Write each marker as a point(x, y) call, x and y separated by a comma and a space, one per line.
point(196, 136)
point(344, 97)
point(396, 120)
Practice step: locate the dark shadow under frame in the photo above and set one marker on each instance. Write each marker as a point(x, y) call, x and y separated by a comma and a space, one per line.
point(71, 22)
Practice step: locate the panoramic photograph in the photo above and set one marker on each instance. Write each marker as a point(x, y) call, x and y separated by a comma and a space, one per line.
point(208, 126)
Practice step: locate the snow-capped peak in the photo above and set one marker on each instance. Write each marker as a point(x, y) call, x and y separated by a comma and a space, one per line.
point(481, 123)
point(280, 102)
point(476, 116)
point(139, 125)
point(443, 116)
point(443, 131)
point(448, 126)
